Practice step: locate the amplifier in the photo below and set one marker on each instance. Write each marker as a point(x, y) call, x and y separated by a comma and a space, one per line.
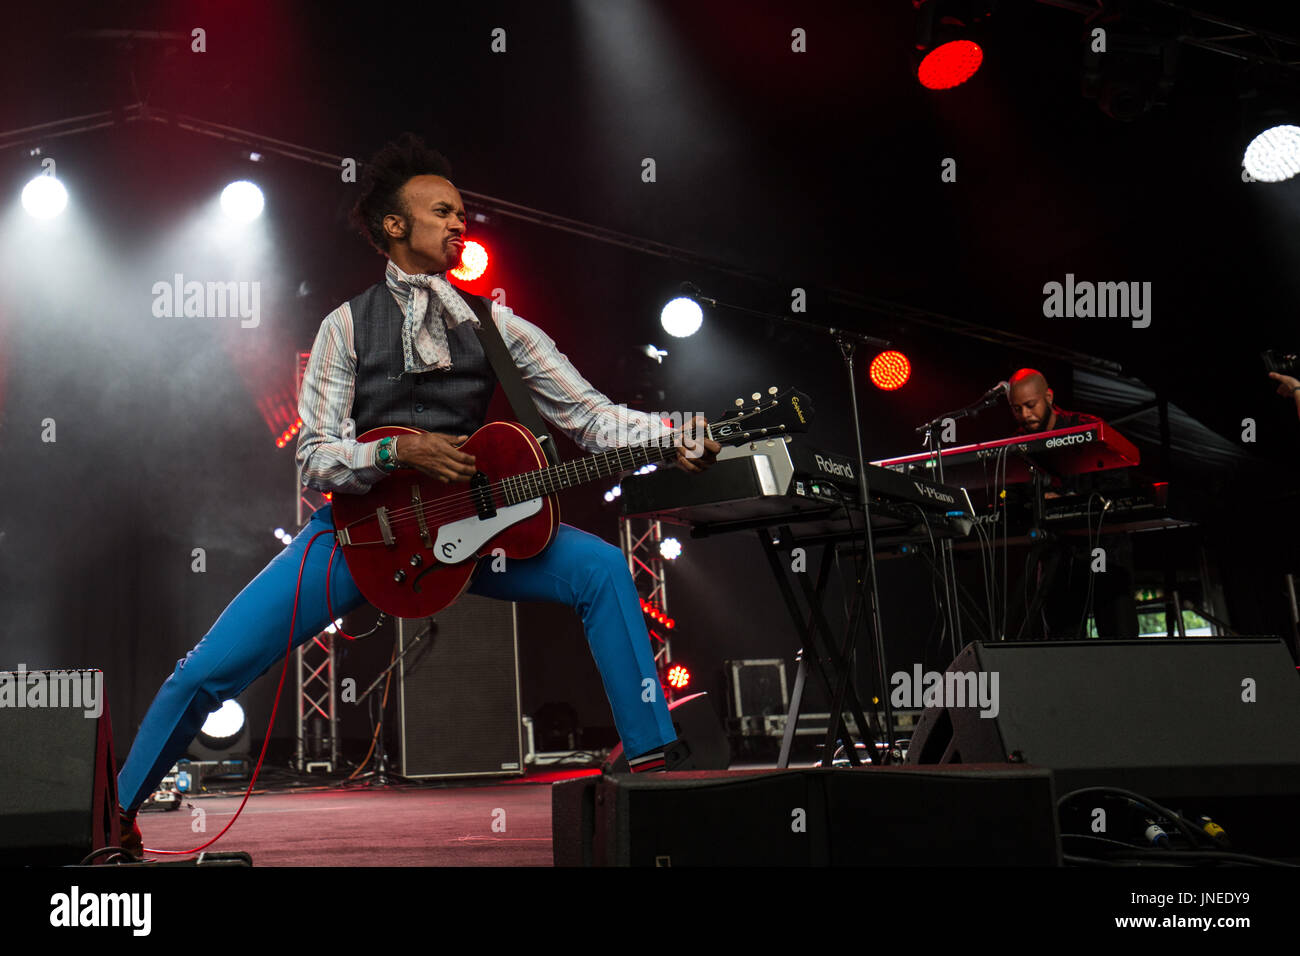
point(459, 692)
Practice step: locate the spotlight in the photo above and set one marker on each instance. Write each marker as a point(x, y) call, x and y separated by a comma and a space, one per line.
point(947, 53)
point(681, 317)
point(1274, 155)
point(670, 548)
point(678, 677)
point(890, 370)
point(473, 262)
point(242, 201)
point(223, 727)
point(949, 64)
point(44, 197)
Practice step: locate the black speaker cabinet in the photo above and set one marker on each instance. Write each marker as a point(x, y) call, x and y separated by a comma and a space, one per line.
point(874, 816)
point(1204, 717)
point(58, 780)
point(695, 721)
point(458, 692)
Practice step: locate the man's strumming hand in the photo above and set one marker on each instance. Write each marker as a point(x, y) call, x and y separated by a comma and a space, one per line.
point(696, 453)
point(436, 455)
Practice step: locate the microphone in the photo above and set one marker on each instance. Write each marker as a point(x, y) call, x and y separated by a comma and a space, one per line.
point(992, 395)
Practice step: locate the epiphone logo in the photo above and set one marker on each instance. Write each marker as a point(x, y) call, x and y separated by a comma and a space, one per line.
point(794, 400)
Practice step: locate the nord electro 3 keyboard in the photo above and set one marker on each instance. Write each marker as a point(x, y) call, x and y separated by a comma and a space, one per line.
point(1060, 452)
point(786, 482)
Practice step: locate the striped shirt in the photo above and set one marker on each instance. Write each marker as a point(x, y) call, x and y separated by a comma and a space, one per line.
point(331, 459)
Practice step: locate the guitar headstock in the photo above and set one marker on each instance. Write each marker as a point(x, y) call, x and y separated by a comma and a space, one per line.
point(780, 413)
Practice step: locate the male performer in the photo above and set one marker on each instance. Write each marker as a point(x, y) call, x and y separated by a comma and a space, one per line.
point(403, 353)
point(1032, 404)
point(1062, 567)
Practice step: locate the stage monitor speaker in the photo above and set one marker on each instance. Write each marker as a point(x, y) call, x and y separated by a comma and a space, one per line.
point(695, 722)
point(1203, 717)
point(58, 780)
point(459, 692)
point(873, 816)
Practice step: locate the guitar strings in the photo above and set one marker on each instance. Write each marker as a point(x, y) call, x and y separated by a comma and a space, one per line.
point(462, 503)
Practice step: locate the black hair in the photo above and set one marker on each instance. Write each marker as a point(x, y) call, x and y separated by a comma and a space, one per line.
point(382, 179)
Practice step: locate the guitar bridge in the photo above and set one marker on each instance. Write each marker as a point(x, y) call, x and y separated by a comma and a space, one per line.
point(385, 528)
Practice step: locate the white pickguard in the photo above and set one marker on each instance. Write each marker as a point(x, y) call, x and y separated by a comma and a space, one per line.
point(460, 540)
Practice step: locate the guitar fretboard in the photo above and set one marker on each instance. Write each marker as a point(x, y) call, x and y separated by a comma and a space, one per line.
point(546, 481)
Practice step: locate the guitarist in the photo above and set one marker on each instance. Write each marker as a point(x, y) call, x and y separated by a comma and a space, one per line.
point(403, 353)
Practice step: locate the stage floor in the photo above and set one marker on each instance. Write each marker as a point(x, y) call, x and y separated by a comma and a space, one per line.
point(476, 823)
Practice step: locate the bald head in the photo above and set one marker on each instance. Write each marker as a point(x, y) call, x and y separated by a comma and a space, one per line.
point(1030, 400)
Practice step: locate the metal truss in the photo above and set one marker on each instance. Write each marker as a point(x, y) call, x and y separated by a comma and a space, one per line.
point(640, 538)
point(314, 661)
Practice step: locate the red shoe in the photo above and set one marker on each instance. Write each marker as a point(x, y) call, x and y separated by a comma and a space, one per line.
point(132, 840)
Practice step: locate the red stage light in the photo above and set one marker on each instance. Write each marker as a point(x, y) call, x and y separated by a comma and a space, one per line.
point(473, 262)
point(678, 676)
point(950, 64)
point(890, 370)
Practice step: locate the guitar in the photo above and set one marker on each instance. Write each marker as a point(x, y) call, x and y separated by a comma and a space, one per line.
point(412, 541)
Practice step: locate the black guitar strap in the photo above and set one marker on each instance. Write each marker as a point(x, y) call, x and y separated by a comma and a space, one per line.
point(512, 383)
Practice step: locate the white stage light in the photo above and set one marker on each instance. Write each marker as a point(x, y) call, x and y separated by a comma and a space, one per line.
point(681, 317)
point(225, 723)
point(670, 548)
point(242, 201)
point(44, 197)
point(1274, 155)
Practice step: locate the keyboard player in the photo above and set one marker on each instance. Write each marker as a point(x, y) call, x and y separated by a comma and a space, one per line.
point(1062, 565)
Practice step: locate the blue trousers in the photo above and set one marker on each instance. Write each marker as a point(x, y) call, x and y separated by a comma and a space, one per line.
point(578, 570)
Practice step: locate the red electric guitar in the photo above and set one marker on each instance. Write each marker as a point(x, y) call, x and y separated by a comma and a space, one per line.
point(412, 541)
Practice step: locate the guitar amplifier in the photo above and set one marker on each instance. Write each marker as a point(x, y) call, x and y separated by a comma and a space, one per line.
point(458, 692)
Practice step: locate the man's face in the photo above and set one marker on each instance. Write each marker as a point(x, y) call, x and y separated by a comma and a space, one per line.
point(435, 229)
point(1031, 405)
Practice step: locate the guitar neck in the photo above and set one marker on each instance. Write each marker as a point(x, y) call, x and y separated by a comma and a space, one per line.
point(579, 471)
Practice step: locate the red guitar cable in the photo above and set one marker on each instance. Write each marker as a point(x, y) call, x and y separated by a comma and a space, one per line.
point(283, 672)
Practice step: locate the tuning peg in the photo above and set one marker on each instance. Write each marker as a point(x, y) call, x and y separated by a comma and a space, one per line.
point(771, 390)
point(740, 402)
point(756, 396)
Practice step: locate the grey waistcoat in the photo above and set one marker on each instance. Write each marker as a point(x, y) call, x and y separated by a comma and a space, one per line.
point(454, 401)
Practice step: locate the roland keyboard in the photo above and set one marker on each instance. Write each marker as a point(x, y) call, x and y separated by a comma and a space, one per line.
point(785, 481)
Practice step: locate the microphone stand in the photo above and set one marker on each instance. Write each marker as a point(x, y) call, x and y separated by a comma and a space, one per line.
point(933, 440)
point(847, 341)
point(381, 776)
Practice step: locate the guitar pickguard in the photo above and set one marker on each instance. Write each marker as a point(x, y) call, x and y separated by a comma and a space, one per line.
point(461, 540)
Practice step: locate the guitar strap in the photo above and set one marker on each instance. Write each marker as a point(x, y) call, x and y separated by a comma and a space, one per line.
point(512, 383)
